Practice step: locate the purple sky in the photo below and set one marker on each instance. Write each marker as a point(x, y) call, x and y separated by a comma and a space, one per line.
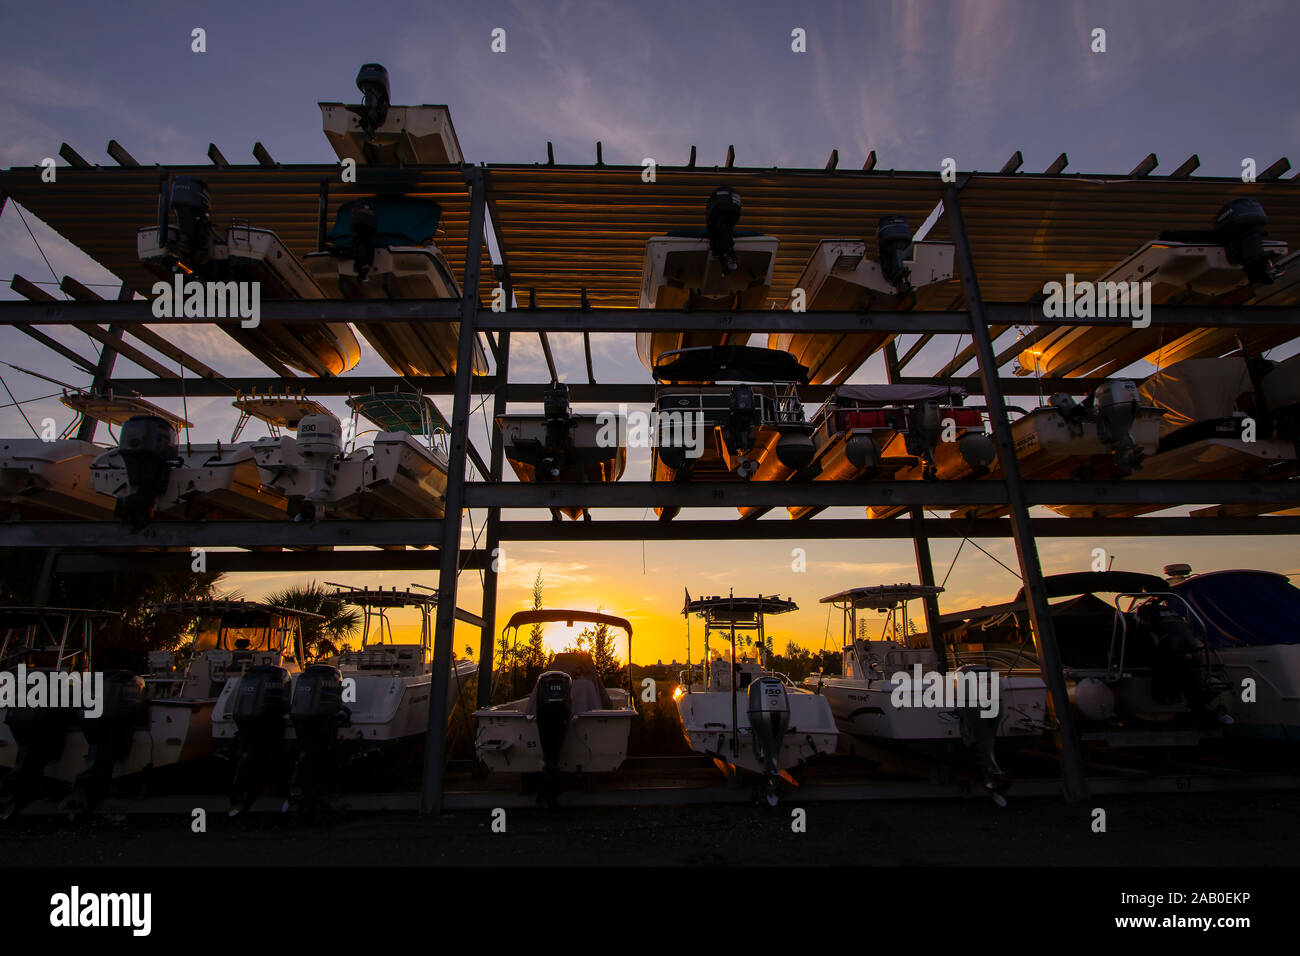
point(917, 82)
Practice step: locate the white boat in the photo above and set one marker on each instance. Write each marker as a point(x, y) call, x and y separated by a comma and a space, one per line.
point(1231, 261)
point(754, 430)
point(715, 268)
point(372, 700)
point(1249, 618)
point(870, 432)
point(396, 476)
point(1138, 668)
point(569, 723)
point(1108, 435)
point(151, 475)
point(161, 719)
point(840, 276)
point(741, 714)
point(377, 133)
point(381, 247)
point(247, 254)
point(559, 445)
point(1221, 419)
point(893, 692)
point(51, 479)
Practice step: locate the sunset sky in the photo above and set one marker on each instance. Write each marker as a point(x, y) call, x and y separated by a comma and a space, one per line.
point(914, 81)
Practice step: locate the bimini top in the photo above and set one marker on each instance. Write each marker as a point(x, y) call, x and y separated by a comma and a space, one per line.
point(730, 363)
point(882, 597)
point(1072, 584)
point(24, 616)
point(224, 606)
point(727, 608)
point(547, 616)
point(365, 597)
point(1244, 608)
point(893, 394)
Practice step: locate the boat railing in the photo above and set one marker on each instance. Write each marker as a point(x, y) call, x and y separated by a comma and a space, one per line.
point(1119, 628)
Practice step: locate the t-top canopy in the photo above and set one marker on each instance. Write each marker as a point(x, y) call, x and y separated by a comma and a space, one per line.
point(225, 606)
point(882, 596)
point(731, 363)
point(544, 616)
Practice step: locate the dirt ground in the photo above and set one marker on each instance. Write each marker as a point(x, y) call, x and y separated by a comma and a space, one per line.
point(1237, 829)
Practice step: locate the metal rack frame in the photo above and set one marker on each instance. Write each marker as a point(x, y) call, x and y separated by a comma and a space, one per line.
point(77, 547)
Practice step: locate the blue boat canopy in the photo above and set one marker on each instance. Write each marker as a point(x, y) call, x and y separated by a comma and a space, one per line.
point(403, 221)
point(1244, 608)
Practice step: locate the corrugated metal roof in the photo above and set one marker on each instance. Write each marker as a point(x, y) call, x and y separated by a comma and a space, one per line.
point(565, 228)
point(100, 209)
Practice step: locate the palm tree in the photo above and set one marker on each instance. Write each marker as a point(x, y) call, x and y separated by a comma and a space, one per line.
point(320, 638)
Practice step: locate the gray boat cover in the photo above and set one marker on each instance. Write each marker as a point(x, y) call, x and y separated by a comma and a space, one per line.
point(890, 394)
point(1198, 390)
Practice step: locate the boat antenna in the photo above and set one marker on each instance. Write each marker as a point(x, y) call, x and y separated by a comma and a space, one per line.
point(735, 731)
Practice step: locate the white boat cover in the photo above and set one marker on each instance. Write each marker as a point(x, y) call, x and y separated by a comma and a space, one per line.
point(1198, 390)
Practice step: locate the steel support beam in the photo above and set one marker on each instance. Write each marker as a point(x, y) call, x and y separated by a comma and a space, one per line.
point(1073, 776)
point(436, 739)
point(925, 571)
point(487, 640)
point(246, 562)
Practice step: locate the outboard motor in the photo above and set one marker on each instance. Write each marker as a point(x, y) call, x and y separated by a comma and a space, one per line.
point(372, 81)
point(720, 218)
point(559, 429)
point(363, 225)
point(40, 733)
point(1179, 668)
point(980, 733)
point(924, 429)
point(554, 709)
point(1073, 413)
point(193, 208)
point(742, 420)
point(1240, 224)
point(769, 719)
point(795, 449)
point(893, 244)
point(108, 738)
point(1116, 405)
point(320, 441)
point(260, 707)
point(149, 451)
point(317, 712)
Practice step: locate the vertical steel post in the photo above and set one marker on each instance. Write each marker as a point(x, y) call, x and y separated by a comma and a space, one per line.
point(449, 553)
point(103, 369)
point(925, 571)
point(1074, 779)
point(487, 642)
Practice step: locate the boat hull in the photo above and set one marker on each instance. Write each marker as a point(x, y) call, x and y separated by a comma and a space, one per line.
point(594, 741)
point(707, 722)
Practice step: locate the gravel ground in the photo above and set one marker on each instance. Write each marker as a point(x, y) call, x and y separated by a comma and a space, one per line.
point(1238, 829)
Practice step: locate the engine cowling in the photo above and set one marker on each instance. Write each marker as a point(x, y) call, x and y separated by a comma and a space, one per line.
point(768, 707)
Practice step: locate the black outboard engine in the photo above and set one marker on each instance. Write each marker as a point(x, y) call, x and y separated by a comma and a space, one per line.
point(769, 720)
point(362, 227)
point(980, 733)
point(260, 707)
point(893, 244)
point(720, 218)
point(1179, 666)
point(40, 733)
point(193, 208)
point(1117, 408)
point(149, 452)
point(372, 81)
point(1240, 224)
point(559, 428)
point(742, 420)
point(554, 702)
point(124, 708)
point(317, 712)
point(924, 429)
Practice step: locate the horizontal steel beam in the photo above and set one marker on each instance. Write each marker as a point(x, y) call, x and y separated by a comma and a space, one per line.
point(115, 541)
point(531, 392)
point(239, 562)
point(218, 534)
point(865, 529)
point(633, 320)
point(830, 494)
